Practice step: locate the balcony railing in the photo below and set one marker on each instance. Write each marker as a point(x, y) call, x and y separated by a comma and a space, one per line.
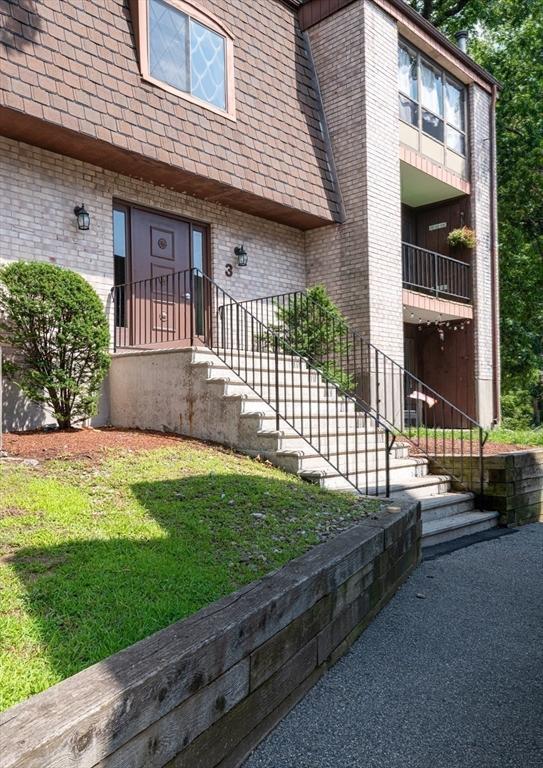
point(435, 274)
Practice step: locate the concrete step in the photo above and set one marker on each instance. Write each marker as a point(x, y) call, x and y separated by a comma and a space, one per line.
point(446, 505)
point(312, 397)
point(339, 445)
point(457, 526)
point(347, 429)
point(329, 415)
point(401, 488)
point(315, 426)
point(300, 376)
point(263, 362)
point(315, 463)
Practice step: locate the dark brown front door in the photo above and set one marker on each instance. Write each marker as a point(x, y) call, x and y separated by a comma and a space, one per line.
point(160, 263)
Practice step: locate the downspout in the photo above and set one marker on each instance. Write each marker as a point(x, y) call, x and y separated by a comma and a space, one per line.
point(494, 263)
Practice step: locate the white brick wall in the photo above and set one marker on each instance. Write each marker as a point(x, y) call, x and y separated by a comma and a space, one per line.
point(360, 260)
point(38, 192)
point(481, 170)
point(383, 180)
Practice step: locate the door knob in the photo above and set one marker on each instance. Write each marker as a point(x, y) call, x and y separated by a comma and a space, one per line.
point(187, 296)
point(163, 317)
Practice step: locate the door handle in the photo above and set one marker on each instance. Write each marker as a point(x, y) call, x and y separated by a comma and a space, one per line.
point(163, 317)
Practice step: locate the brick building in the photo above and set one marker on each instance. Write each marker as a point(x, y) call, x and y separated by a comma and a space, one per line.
point(337, 141)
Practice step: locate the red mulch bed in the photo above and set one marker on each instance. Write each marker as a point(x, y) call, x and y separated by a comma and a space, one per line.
point(85, 443)
point(447, 448)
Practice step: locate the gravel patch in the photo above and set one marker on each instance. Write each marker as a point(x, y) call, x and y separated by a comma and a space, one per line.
point(452, 680)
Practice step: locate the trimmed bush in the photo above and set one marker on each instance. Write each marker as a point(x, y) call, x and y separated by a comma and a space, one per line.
point(56, 324)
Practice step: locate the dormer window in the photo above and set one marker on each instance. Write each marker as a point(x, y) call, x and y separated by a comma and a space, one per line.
point(188, 52)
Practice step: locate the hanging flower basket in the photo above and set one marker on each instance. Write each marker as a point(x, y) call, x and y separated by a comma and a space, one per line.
point(464, 237)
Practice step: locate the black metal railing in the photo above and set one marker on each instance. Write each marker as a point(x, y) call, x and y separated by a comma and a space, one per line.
point(188, 307)
point(435, 427)
point(435, 274)
point(168, 309)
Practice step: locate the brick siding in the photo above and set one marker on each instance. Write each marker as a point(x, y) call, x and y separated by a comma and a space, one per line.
point(39, 189)
point(360, 261)
point(480, 161)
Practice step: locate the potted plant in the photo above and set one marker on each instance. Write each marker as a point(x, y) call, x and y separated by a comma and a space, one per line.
point(463, 237)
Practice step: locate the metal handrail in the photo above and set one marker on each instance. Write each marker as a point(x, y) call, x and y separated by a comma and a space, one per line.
point(435, 273)
point(436, 427)
point(435, 253)
point(195, 307)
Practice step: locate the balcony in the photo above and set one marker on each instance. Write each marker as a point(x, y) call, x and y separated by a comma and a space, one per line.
point(435, 274)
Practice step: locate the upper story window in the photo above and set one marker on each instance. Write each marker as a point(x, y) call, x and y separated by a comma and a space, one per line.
point(431, 100)
point(189, 53)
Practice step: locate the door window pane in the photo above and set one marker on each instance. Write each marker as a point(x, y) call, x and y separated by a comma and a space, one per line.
point(119, 233)
point(432, 125)
point(207, 65)
point(431, 89)
point(119, 265)
point(198, 281)
point(454, 105)
point(409, 111)
point(456, 140)
point(408, 82)
point(119, 246)
point(168, 44)
point(198, 249)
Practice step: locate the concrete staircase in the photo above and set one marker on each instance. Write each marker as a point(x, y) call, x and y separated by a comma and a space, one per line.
point(446, 514)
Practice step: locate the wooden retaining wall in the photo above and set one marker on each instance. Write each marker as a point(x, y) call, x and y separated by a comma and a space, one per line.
point(205, 691)
point(514, 486)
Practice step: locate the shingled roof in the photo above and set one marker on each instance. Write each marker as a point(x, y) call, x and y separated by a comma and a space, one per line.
point(71, 83)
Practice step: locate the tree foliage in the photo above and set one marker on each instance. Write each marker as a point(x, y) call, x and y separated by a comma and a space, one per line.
point(56, 323)
point(439, 12)
point(507, 39)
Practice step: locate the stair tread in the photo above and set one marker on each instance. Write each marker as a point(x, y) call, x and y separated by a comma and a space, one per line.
point(395, 463)
point(269, 415)
point(444, 499)
point(457, 521)
point(405, 485)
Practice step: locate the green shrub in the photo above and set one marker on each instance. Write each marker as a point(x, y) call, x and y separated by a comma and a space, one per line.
point(55, 322)
point(316, 329)
point(517, 409)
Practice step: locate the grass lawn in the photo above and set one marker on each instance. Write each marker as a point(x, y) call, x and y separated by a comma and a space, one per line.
point(97, 554)
point(514, 439)
point(517, 436)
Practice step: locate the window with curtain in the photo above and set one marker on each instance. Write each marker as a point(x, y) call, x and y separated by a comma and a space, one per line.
point(408, 85)
point(455, 114)
point(431, 100)
point(186, 54)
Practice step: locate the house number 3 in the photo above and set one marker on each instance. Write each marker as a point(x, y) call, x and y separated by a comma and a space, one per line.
point(228, 271)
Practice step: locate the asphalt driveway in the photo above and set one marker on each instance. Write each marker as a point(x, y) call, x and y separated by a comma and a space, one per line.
point(449, 675)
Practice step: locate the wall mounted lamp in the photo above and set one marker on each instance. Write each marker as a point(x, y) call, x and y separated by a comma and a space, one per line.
point(242, 255)
point(82, 215)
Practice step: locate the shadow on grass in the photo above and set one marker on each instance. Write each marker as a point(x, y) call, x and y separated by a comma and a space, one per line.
point(91, 598)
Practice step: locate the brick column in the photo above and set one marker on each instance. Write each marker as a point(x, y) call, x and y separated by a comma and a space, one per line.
point(355, 55)
point(481, 174)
